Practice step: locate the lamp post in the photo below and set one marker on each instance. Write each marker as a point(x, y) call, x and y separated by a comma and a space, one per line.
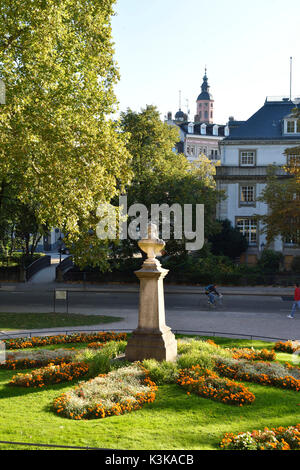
point(60, 244)
point(262, 246)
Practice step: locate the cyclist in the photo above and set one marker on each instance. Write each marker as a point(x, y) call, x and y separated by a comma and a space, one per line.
point(211, 293)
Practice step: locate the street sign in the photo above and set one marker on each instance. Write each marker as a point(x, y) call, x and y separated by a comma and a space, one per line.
point(61, 294)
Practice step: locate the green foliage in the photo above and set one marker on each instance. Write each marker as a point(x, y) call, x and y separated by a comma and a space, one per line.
point(270, 261)
point(161, 372)
point(58, 147)
point(160, 176)
point(192, 352)
point(296, 264)
point(282, 196)
point(229, 241)
point(101, 361)
point(193, 358)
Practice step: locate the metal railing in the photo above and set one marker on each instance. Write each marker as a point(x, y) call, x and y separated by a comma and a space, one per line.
point(33, 444)
point(37, 265)
point(252, 337)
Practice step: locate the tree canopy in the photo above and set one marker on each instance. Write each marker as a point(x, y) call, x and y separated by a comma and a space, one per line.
point(58, 146)
point(162, 176)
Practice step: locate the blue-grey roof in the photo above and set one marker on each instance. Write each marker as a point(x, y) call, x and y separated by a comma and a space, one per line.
point(179, 114)
point(265, 124)
point(204, 95)
point(197, 129)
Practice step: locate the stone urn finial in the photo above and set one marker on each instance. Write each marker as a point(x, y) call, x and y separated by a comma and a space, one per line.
point(151, 245)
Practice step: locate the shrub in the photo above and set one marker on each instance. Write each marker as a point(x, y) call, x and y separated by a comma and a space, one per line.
point(118, 392)
point(194, 358)
point(29, 360)
point(100, 360)
point(161, 372)
point(287, 346)
point(208, 384)
point(295, 266)
point(52, 374)
point(263, 373)
point(268, 439)
point(253, 354)
point(270, 261)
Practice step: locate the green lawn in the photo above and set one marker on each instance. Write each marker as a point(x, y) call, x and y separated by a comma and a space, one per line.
point(174, 421)
point(27, 321)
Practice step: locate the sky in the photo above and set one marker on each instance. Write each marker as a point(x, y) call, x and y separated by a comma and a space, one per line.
point(163, 46)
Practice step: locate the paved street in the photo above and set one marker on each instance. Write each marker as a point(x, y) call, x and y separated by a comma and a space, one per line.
point(245, 312)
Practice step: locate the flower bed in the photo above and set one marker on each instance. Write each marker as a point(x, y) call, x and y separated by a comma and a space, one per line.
point(118, 392)
point(51, 374)
point(269, 439)
point(287, 346)
point(209, 385)
point(21, 343)
point(263, 373)
point(253, 354)
point(29, 360)
point(95, 345)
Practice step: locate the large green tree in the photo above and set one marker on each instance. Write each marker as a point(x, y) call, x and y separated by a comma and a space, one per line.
point(282, 196)
point(58, 147)
point(162, 176)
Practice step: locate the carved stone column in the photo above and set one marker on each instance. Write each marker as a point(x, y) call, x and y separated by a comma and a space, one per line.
point(152, 338)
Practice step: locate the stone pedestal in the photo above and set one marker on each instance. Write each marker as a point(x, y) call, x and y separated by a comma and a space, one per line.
point(152, 338)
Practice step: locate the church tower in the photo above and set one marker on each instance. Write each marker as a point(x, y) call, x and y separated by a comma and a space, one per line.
point(205, 104)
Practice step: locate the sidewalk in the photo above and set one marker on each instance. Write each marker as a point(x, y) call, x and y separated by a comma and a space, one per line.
point(134, 288)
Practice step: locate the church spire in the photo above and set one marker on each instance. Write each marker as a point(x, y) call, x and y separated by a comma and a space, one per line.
point(205, 102)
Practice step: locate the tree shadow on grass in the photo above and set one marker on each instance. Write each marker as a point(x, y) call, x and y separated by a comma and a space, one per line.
point(10, 391)
point(270, 402)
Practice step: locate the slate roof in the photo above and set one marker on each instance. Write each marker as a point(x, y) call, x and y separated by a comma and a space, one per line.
point(204, 95)
point(265, 124)
point(209, 129)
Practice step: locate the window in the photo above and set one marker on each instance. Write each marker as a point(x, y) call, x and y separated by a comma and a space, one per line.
point(247, 195)
point(248, 227)
point(203, 129)
point(247, 157)
point(191, 128)
point(290, 126)
point(215, 128)
point(293, 160)
point(293, 238)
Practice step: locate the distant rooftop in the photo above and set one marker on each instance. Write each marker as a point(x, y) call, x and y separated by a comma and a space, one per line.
point(267, 122)
point(278, 99)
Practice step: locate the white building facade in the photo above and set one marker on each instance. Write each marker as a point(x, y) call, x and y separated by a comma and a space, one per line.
point(245, 157)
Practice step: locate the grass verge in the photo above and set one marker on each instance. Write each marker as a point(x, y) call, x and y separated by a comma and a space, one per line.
point(28, 321)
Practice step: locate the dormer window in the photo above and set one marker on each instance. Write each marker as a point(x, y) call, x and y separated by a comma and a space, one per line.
point(292, 126)
point(215, 129)
point(191, 128)
point(203, 129)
